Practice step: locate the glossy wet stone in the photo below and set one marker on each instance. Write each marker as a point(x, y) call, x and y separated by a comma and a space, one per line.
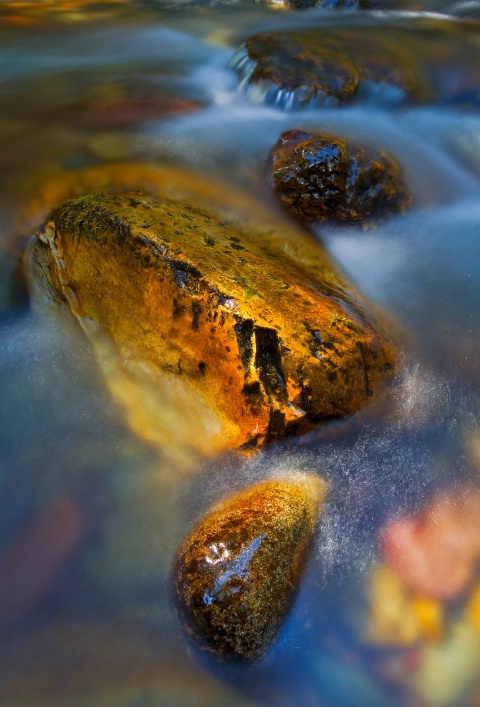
point(237, 572)
point(321, 177)
point(240, 332)
point(448, 671)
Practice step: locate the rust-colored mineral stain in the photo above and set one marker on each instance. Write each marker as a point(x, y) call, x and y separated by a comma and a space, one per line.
point(257, 327)
point(237, 572)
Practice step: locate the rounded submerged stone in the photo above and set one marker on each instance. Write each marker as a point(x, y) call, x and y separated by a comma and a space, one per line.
point(237, 572)
point(321, 177)
point(227, 332)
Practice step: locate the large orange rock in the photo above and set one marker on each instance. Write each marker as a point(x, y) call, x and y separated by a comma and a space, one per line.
point(240, 332)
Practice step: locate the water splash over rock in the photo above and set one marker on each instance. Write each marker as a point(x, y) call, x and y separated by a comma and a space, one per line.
point(326, 67)
point(313, 68)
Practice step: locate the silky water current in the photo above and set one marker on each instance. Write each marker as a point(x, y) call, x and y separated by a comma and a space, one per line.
point(92, 515)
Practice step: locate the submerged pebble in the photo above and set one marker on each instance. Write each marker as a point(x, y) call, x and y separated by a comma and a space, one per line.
point(237, 572)
point(239, 332)
point(124, 111)
point(321, 177)
point(448, 671)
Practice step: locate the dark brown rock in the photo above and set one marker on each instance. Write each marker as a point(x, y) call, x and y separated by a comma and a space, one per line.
point(290, 69)
point(320, 177)
point(330, 4)
point(320, 67)
point(237, 572)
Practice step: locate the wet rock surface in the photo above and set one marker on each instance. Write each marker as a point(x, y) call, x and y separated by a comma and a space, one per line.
point(237, 572)
point(321, 177)
point(133, 505)
point(252, 335)
point(287, 69)
point(317, 67)
point(312, 68)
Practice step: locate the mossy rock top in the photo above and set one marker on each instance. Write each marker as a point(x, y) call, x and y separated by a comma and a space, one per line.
point(257, 326)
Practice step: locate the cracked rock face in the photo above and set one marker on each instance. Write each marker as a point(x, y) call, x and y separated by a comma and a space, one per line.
point(240, 334)
point(237, 572)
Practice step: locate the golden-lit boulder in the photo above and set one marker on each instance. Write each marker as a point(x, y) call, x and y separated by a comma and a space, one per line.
point(239, 332)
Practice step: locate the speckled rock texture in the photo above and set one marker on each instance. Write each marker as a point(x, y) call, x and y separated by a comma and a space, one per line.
point(237, 572)
point(321, 177)
point(256, 332)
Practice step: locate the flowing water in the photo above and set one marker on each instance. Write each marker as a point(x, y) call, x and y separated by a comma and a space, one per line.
point(91, 516)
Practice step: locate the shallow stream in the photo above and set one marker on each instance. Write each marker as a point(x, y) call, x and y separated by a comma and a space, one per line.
point(91, 622)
